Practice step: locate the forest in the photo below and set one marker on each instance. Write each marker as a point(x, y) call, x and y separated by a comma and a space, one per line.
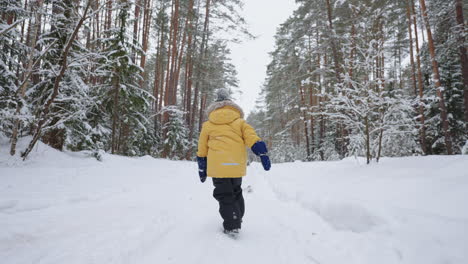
point(368, 78)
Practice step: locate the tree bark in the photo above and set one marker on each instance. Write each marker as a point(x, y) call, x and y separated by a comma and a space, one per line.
point(136, 24)
point(115, 112)
point(420, 82)
point(186, 34)
point(368, 153)
point(159, 73)
point(145, 38)
point(304, 119)
point(171, 81)
point(380, 145)
point(108, 23)
point(203, 49)
point(188, 63)
point(166, 91)
point(202, 110)
point(410, 31)
point(440, 89)
point(333, 43)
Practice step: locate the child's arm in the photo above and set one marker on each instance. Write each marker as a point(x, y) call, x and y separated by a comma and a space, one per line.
point(202, 153)
point(258, 147)
point(203, 143)
point(250, 137)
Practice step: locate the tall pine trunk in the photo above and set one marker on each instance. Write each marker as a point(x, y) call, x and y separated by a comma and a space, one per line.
point(420, 82)
point(115, 113)
point(333, 43)
point(410, 31)
point(203, 50)
point(440, 89)
point(304, 119)
point(145, 38)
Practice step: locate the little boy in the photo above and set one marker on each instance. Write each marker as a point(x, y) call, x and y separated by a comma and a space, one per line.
point(222, 155)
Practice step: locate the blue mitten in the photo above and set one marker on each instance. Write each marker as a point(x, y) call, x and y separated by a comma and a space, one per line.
point(260, 149)
point(265, 162)
point(202, 168)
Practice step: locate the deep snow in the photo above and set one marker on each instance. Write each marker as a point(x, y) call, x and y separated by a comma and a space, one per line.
point(69, 208)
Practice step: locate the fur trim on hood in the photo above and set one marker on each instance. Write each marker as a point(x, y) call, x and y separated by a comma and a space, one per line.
point(221, 104)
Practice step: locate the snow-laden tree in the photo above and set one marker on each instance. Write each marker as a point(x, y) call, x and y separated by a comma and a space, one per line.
point(124, 102)
point(80, 75)
point(372, 114)
point(14, 111)
point(57, 83)
point(446, 38)
point(284, 149)
point(176, 142)
point(341, 70)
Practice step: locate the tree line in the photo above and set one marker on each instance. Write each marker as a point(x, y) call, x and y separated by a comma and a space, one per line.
point(131, 77)
point(368, 78)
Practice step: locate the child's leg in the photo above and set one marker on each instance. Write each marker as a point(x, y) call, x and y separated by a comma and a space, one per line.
point(237, 182)
point(228, 207)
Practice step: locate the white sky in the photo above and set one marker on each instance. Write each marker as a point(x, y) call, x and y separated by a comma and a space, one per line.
point(251, 57)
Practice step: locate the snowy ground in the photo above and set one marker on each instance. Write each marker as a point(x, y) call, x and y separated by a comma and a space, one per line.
point(68, 208)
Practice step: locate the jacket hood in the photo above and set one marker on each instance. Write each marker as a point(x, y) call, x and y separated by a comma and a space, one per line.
point(224, 112)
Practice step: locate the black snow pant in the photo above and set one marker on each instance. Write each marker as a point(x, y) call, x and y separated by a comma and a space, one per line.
point(228, 193)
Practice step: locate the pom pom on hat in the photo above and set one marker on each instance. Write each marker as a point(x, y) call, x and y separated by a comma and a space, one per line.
point(222, 95)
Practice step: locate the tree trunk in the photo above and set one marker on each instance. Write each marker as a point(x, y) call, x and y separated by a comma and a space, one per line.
point(109, 15)
point(413, 69)
point(37, 6)
point(136, 23)
point(353, 51)
point(115, 112)
point(145, 38)
point(187, 31)
point(304, 119)
point(159, 74)
point(333, 43)
point(179, 64)
point(199, 70)
point(161, 65)
point(420, 83)
point(166, 88)
point(202, 110)
point(172, 89)
point(380, 145)
point(367, 135)
point(440, 89)
point(189, 62)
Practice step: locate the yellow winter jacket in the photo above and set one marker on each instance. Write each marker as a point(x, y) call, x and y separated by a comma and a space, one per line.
point(223, 140)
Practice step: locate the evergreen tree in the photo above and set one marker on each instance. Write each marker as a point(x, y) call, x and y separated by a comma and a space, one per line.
point(123, 101)
point(176, 143)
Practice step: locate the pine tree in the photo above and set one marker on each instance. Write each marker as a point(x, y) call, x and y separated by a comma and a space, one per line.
point(176, 142)
point(13, 109)
point(123, 100)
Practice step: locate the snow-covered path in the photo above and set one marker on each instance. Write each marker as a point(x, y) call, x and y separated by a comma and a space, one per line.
point(65, 208)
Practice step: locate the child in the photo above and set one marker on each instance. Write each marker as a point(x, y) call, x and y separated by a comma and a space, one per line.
point(222, 155)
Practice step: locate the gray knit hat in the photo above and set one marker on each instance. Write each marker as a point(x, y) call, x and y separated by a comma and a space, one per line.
point(222, 95)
